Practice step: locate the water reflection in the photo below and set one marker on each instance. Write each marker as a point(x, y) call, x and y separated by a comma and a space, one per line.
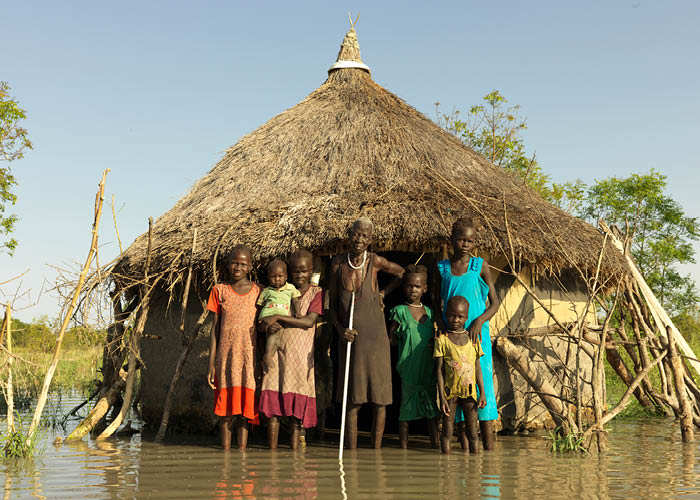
point(645, 459)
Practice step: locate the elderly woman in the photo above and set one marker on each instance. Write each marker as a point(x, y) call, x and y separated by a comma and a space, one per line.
point(370, 363)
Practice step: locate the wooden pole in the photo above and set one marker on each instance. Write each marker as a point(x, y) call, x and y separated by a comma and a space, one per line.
point(598, 375)
point(686, 413)
point(624, 401)
point(9, 392)
point(618, 364)
point(43, 395)
point(347, 377)
point(184, 354)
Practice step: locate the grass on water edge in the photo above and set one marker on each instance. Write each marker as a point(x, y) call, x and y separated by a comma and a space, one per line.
point(77, 370)
point(566, 443)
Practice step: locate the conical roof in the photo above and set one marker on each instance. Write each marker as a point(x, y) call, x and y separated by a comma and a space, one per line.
point(353, 148)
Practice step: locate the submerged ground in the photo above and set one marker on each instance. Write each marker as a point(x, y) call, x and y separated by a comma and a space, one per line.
point(646, 460)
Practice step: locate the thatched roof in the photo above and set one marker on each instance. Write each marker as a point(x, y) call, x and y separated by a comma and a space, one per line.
point(351, 148)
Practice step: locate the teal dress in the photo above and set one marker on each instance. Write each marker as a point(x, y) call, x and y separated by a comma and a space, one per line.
point(415, 364)
point(472, 287)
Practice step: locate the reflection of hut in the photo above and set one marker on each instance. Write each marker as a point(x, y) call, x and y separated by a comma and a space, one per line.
point(350, 148)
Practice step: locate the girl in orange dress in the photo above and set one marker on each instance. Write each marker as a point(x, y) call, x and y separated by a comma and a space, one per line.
point(232, 352)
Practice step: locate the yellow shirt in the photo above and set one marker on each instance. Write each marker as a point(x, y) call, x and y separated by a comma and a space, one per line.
point(459, 367)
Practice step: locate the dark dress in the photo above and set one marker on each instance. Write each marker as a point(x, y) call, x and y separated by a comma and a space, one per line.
point(370, 360)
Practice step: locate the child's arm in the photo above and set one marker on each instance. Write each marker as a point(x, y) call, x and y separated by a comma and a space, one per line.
point(215, 328)
point(296, 310)
point(480, 384)
point(261, 335)
point(292, 322)
point(437, 300)
point(444, 405)
point(494, 303)
point(393, 326)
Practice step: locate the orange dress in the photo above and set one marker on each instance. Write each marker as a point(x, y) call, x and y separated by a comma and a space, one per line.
point(234, 364)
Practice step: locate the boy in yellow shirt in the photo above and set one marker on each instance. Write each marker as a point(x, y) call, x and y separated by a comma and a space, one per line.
point(458, 374)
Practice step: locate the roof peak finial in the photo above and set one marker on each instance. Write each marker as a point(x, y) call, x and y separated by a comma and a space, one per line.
point(352, 25)
point(349, 53)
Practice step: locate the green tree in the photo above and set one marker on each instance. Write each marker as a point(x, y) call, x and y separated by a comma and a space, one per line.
point(662, 234)
point(494, 130)
point(14, 141)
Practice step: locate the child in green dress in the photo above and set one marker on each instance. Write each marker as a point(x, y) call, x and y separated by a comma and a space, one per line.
point(412, 324)
point(458, 374)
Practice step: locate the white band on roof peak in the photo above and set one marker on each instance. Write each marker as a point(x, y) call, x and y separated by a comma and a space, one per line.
point(348, 64)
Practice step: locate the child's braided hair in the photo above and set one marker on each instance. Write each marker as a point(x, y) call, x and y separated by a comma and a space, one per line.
point(415, 269)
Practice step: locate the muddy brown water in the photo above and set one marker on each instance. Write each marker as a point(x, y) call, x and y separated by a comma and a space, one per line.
point(646, 460)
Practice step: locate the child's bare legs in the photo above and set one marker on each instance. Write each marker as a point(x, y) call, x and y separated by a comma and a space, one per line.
point(462, 435)
point(273, 432)
point(403, 434)
point(471, 421)
point(241, 425)
point(271, 347)
point(487, 434)
point(293, 433)
point(225, 424)
point(378, 422)
point(448, 427)
point(433, 432)
point(351, 425)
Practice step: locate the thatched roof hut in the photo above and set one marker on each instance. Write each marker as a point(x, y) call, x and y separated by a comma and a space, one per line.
point(352, 147)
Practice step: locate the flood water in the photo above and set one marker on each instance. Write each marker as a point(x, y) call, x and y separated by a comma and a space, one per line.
point(646, 460)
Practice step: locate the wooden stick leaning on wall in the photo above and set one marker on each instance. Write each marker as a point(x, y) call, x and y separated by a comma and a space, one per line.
point(598, 375)
point(591, 335)
point(135, 341)
point(43, 395)
point(626, 397)
point(188, 339)
point(518, 357)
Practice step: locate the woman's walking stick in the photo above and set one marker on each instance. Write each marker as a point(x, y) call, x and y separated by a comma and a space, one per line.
point(347, 376)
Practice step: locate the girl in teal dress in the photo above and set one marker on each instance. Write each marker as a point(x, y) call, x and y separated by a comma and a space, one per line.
point(412, 324)
point(471, 278)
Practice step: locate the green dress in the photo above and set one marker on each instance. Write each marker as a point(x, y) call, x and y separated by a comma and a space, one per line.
point(415, 364)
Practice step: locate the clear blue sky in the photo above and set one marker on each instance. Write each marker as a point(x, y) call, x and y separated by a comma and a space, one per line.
point(156, 91)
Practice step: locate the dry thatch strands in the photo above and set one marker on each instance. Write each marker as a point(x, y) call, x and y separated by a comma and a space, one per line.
point(352, 147)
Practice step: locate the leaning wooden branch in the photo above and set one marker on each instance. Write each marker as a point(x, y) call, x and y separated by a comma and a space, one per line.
point(135, 347)
point(661, 317)
point(624, 401)
point(187, 343)
point(43, 395)
point(517, 357)
point(100, 409)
